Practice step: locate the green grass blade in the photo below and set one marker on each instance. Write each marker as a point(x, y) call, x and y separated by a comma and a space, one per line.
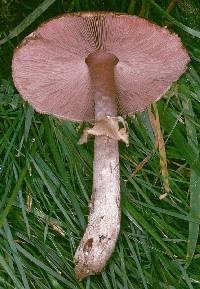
point(59, 160)
point(194, 179)
point(45, 267)
point(6, 267)
point(52, 192)
point(28, 121)
point(27, 21)
point(13, 196)
point(134, 255)
point(15, 254)
point(189, 30)
point(185, 276)
point(140, 219)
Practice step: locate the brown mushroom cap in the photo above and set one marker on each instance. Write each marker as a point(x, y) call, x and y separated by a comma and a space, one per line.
point(50, 71)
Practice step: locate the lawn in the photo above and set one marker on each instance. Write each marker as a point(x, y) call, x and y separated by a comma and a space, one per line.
point(46, 177)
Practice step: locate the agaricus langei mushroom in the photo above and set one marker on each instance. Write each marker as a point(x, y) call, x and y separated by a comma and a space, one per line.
point(96, 66)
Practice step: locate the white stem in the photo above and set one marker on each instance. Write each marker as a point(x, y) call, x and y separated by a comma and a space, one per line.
point(103, 226)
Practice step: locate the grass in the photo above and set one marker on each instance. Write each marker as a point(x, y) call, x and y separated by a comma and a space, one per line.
point(46, 178)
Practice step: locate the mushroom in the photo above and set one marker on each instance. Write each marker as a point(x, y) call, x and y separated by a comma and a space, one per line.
point(97, 66)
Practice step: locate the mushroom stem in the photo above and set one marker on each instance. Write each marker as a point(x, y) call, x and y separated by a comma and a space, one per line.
point(103, 226)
